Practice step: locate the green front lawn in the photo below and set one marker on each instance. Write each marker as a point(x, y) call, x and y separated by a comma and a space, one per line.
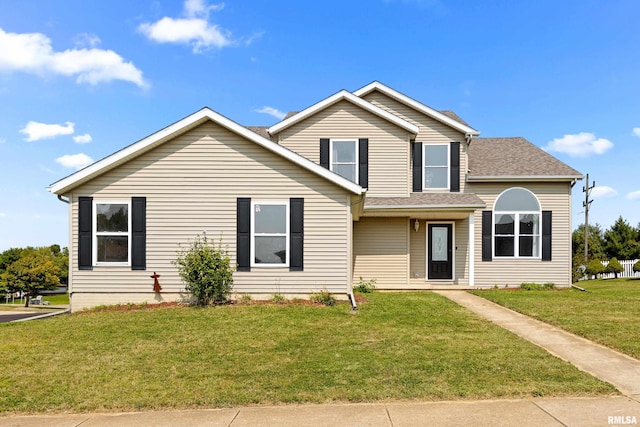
point(608, 314)
point(398, 346)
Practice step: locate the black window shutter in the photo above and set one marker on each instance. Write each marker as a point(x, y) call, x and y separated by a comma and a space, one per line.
point(296, 234)
point(417, 166)
point(487, 226)
point(546, 235)
point(324, 153)
point(455, 167)
point(85, 245)
point(138, 233)
point(363, 160)
point(243, 241)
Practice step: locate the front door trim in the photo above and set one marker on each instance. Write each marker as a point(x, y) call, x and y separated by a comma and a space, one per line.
point(453, 251)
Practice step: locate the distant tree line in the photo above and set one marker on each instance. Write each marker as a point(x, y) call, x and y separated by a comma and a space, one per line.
point(32, 270)
point(620, 242)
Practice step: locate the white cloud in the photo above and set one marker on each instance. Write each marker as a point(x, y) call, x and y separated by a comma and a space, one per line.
point(272, 112)
point(33, 53)
point(82, 139)
point(194, 29)
point(74, 161)
point(603, 191)
point(36, 131)
point(582, 144)
point(2, 214)
point(634, 195)
point(636, 131)
point(199, 8)
point(87, 40)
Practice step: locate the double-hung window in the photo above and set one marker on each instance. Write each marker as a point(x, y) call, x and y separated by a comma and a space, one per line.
point(344, 158)
point(112, 233)
point(517, 224)
point(436, 161)
point(270, 234)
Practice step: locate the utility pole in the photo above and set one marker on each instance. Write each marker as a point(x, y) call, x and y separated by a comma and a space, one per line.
point(587, 204)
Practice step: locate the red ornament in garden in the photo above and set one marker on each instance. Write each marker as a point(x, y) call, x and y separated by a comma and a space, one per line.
point(156, 284)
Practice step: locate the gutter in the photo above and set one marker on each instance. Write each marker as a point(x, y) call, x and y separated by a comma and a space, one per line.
point(520, 178)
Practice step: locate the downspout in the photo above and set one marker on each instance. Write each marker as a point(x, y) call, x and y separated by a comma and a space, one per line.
point(60, 197)
point(352, 298)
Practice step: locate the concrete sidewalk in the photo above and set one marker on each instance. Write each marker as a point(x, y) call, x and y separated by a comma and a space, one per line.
point(581, 412)
point(602, 362)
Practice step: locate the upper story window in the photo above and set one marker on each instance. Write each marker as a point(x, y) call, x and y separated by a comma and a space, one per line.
point(112, 233)
point(517, 224)
point(436, 162)
point(344, 158)
point(270, 234)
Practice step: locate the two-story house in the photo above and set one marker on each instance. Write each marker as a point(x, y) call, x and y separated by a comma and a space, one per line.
point(368, 184)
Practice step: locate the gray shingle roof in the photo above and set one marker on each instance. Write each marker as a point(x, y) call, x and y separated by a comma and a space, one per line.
point(454, 116)
point(514, 157)
point(425, 201)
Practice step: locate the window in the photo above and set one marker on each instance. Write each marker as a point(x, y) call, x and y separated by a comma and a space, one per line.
point(517, 224)
point(270, 234)
point(111, 227)
point(436, 166)
point(344, 158)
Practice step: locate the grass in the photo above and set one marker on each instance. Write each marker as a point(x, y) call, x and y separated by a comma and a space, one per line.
point(398, 346)
point(608, 314)
point(62, 299)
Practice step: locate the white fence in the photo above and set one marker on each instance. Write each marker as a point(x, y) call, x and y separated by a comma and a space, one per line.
point(626, 272)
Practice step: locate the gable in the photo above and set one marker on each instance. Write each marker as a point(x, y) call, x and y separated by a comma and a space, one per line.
point(425, 110)
point(159, 138)
point(342, 96)
point(430, 129)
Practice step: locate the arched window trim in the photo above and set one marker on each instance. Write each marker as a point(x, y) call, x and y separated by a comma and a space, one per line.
point(517, 235)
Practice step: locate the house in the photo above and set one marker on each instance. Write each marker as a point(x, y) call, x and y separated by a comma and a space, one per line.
point(370, 184)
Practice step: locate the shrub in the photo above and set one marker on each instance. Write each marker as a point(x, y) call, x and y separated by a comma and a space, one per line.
point(594, 268)
point(614, 267)
point(636, 267)
point(278, 298)
point(323, 297)
point(244, 299)
point(206, 270)
point(365, 286)
point(530, 286)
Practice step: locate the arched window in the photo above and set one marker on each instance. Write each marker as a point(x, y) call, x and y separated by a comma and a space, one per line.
point(516, 224)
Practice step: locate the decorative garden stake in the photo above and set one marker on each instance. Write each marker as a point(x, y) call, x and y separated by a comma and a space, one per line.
point(156, 284)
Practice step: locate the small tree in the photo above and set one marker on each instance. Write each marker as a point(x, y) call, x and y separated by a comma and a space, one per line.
point(206, 270)
point(614, 267)
point(636, 267)
point(31, 274)
point(594, 268)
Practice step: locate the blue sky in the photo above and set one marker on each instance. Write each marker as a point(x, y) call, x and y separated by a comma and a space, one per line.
point(80, 79)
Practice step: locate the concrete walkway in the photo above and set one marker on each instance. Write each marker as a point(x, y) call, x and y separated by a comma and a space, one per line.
point(608, 365)
point(582, 412)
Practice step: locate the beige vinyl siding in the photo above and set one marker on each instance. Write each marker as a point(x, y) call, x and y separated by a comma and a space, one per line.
point(191, 184)
point(388, 144)
point(431, 130)
point(380, 251)
point(555, 197)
